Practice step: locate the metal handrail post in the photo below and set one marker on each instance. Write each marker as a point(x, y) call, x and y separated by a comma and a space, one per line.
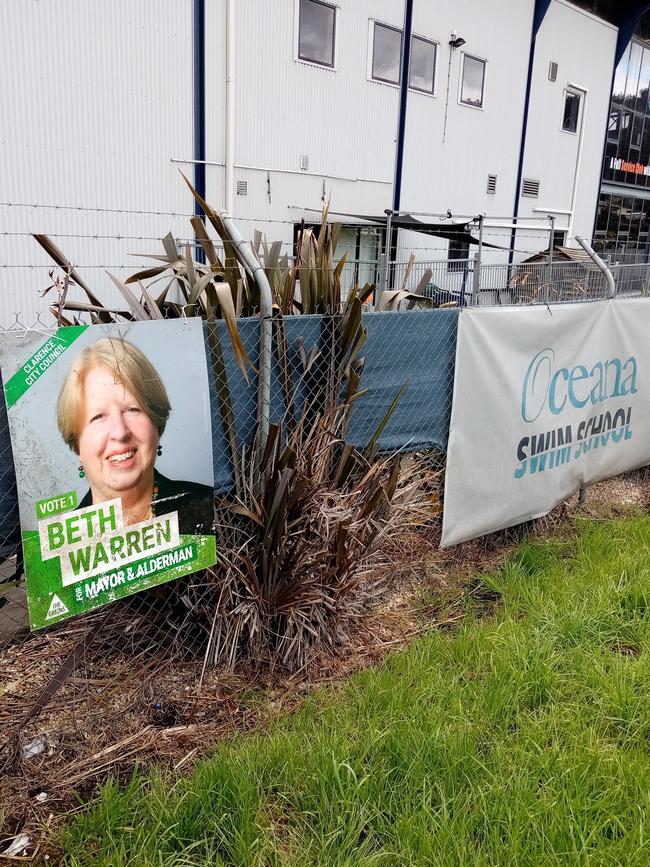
point(476, 274)
point(384, 273)
point(550, 256)
point(611, 285)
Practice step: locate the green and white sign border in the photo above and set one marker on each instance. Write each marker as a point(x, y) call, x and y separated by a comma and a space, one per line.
point(50, 602)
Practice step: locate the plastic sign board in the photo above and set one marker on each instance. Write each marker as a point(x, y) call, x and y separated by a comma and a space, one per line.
point(546, 399)
point(112, 442)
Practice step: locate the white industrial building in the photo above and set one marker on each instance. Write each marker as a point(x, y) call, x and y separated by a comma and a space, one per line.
point(273, 107)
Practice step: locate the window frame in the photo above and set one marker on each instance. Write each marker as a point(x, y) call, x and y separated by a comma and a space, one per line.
point(561, 236)
point(298, 58)
point(434, 83)
point(457, 262)
point(374, 23)
point(580, 94)
point(386, 82)
point(461, 77)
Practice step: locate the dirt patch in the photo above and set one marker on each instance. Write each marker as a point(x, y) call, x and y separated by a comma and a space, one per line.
point(127, 701)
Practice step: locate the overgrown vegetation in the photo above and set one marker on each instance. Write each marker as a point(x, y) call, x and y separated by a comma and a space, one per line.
point(521, 739)
point(308, 510)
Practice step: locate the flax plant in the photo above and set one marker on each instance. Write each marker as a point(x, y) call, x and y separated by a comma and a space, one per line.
point(308, 512)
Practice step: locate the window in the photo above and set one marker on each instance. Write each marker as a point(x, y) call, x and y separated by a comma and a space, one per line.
point(316, 32)
point(386, 53)
point(423, 64)
point(387, 58)
point(559, 238)
point(473, 80)
point(571, 111)
point(618, 93)
point(458, 255)
point(614, 124)
point(633, 70)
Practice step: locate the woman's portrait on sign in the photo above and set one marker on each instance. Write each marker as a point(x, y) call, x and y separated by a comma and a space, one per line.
point(112, 412)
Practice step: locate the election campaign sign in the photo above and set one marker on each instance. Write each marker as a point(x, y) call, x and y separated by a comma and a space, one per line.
point(546, 399)
point(112, 442)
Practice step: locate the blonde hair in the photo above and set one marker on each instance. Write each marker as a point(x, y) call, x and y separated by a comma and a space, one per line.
point(130, 366)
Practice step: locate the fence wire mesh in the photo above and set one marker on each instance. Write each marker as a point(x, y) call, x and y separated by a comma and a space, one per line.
point(94, 692)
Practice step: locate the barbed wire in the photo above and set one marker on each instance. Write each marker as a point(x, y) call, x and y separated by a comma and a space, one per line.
point(97, 210)
point(489, 233)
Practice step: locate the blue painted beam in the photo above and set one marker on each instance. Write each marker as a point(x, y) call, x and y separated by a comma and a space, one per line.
point(541, 8)
point(198, 93)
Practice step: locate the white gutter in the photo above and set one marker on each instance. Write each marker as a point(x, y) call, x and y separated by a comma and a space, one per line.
point(576, 177)
point(230, 105)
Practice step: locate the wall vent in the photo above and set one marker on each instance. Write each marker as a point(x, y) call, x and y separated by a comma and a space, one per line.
point(304, 162)
point(492, 184)
point(552, 71)
point(242, 188)
point(530, 188)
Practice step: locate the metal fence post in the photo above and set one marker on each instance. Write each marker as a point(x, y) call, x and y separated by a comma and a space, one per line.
point(476, 279)
point(476, 273)
point(550, 256)
point(384, 273)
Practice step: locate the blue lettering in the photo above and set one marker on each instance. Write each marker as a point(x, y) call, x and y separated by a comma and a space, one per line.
point(544, 357)
point(552, 402)
point(577, 375)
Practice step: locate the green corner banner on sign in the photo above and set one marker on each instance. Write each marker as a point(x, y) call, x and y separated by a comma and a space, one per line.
point(112, 445)
point(40, 361)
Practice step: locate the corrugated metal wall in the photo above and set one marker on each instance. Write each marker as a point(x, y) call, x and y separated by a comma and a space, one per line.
point(98, 110)
point(97, 97)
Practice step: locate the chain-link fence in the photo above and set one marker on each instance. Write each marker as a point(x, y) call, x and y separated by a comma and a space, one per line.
point(94, 692)
point(465, 282)
point(416, 350)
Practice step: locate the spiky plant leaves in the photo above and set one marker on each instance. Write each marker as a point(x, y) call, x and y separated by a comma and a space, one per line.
point(224, 401)
point(150, 306)
point(374, 439)
point(206, 244)
point(62, 321)
point(62, 261)
point(282, 355)
point(139, 313)
point(171, 250)
point(146, 274)
point(224, 296)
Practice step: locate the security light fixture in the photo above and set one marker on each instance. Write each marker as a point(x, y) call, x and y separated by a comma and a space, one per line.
point(456, 41)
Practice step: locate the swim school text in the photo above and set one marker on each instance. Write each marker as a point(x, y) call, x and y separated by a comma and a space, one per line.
point(548, 391)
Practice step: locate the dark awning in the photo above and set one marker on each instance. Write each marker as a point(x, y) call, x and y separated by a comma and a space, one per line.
point(458, 231)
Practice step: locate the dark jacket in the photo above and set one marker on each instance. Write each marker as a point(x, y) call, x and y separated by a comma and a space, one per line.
point(193, 502)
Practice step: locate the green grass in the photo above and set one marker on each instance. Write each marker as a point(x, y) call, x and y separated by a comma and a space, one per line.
point(520, 739)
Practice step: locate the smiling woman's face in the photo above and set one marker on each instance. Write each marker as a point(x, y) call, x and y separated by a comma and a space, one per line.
point(117, 439)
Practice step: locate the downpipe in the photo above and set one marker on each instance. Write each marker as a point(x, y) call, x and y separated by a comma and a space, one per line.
point(611, 285)
point(266, 315)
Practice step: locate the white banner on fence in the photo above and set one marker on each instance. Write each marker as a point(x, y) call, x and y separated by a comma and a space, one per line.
point(546, 399)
